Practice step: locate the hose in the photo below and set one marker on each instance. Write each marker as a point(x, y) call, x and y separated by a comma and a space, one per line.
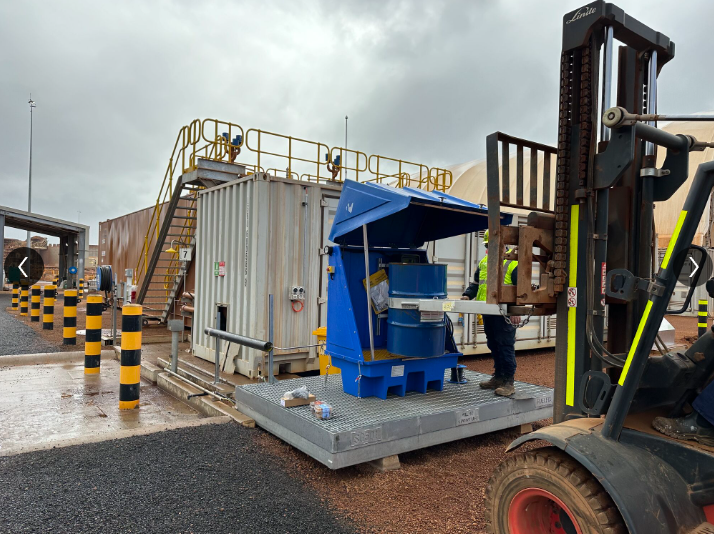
point(104, 278)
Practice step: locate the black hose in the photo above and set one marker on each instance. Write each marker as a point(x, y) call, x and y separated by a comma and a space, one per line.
point(104, 278)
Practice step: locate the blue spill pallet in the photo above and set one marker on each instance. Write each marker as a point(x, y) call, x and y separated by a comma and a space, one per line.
point(370, 428)
point(395, 376)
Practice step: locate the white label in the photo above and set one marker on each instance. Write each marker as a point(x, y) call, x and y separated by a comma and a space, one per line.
point(572, 297)
point(185, 254)
point(464, 417)
point(448, 305)
point(104, 253)
point(397, 370)
point(545, 401)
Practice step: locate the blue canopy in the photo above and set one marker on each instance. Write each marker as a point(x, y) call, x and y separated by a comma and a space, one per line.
point(403, 218)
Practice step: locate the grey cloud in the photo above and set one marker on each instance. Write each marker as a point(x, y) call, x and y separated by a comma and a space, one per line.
point(423, 81)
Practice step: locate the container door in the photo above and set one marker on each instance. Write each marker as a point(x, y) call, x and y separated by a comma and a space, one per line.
point(328, 215)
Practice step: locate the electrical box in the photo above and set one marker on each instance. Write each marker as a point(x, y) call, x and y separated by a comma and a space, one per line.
point(296, 293)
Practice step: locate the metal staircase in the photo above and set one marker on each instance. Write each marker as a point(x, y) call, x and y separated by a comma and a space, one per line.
point(163, 274)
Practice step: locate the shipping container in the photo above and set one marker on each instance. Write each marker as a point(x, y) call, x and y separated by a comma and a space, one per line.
point(257, 236)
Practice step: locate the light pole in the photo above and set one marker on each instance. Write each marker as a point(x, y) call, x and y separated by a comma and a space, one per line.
point(29, 189)
point(345, 162)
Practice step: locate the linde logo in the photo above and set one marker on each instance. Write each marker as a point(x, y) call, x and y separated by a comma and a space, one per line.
point(581, 13)
point(349, 207)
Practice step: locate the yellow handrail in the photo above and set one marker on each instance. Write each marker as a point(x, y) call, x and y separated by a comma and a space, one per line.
point(218, 140)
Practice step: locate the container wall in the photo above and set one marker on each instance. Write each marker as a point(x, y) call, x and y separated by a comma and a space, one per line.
point(270, 234)
point(120, 245)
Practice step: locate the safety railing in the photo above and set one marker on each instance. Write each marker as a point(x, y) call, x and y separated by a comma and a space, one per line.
point(305, 160)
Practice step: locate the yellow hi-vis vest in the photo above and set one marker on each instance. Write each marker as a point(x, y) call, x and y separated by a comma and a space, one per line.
point(510, 266)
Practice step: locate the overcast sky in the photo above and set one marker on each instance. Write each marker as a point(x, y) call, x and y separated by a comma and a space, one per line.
point(423, 81)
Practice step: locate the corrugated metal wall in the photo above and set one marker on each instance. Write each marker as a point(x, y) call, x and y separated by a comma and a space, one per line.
point(270, 234)
point(121, 241)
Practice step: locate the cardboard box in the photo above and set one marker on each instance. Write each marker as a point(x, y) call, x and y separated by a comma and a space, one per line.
point(290, 403)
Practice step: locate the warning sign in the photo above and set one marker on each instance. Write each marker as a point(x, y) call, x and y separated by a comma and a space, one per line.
point(572, 297)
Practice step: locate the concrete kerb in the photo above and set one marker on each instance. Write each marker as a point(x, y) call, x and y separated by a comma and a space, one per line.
point(205, 404)
point(119, 434)
point(46, 358)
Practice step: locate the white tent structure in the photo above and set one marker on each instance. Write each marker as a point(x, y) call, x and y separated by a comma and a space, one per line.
point(469, 183)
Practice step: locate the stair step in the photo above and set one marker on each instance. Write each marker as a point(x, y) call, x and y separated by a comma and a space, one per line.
point(183, 217)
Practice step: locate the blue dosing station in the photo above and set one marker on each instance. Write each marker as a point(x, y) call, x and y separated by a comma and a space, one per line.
point(379, 230)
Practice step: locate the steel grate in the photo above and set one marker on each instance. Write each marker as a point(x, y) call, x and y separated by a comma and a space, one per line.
point(352, 413)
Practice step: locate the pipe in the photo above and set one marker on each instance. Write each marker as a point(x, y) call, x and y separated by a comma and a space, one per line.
point(217, 395)
point(662, 138)
point(606, 81)
point(188, 295)
point(271, 376)
point(651, 96)
point(250, 342)
point(187, 309)
point(369, 292)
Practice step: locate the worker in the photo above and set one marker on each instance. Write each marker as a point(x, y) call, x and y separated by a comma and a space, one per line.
point(697, 426)
point(500, 335)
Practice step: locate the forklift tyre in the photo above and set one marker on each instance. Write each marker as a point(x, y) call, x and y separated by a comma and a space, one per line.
point(545, 491)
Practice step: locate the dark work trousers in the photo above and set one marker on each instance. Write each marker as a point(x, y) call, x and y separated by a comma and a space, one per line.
point(704, 403)
point(501, 341)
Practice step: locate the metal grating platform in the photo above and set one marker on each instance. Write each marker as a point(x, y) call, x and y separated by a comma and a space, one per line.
point(370, 428)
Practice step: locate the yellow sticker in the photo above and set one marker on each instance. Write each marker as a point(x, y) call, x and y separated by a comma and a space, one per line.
point(448, 305)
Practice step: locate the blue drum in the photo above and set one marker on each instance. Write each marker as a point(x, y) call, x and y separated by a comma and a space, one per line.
point(410, 334)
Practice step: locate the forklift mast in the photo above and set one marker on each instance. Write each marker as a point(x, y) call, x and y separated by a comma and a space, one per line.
point(591, 233)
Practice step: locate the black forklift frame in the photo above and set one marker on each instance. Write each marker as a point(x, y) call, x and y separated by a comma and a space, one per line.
point(601, 223)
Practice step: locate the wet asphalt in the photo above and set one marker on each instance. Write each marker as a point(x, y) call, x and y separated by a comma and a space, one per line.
point(207, 479)
point(16, 337)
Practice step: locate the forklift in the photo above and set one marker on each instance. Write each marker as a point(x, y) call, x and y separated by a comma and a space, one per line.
point(603, 467)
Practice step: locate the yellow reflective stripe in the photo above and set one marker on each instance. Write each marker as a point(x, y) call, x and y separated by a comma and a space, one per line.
point(702, 325)
point(130, 340)
point(635, 342)
point(94, 322)
point(130, 374)
point(572, 282)
point(673, 240)
point(702, 302)
point(702, 314)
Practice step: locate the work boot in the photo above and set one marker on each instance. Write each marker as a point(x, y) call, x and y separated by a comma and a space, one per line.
point(692, 427)
point(494, 382)
point(507, 389)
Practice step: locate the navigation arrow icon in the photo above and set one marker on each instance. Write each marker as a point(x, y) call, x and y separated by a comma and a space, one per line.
point(20, 267)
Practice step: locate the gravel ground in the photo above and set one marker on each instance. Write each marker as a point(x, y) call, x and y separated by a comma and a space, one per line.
point(17, 337)
point(55, 336)
point(210, 479)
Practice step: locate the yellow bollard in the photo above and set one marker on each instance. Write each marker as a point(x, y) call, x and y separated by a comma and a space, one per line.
point(35, 304)
point(130, 371)
point(70, 317)
point(23, 299)
point(15, 296)
point(81, 290)
point(93, 342)
point(48, 311)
